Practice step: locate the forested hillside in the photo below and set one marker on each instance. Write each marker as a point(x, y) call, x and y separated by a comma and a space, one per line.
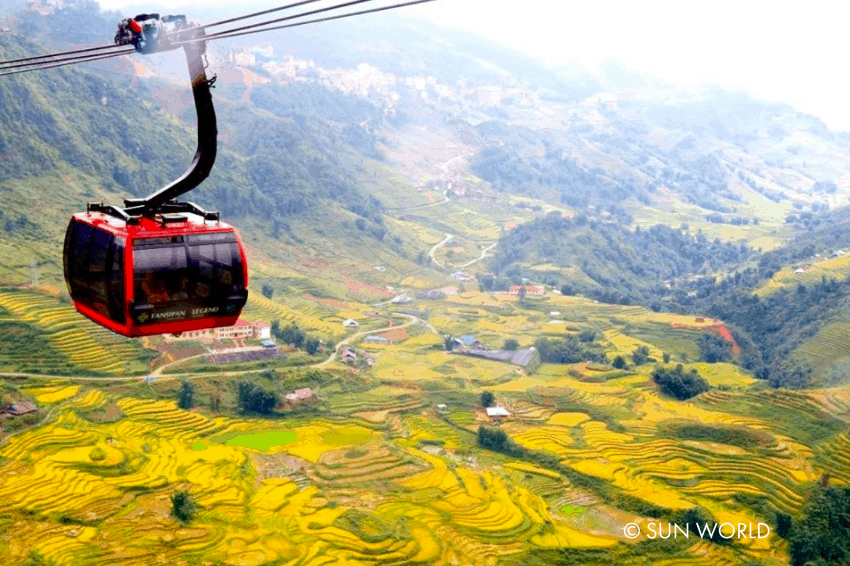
point(607, 259)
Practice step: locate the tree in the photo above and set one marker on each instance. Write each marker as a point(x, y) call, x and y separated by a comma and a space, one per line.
point(641, 355)
point(493, 439)
point(619, 362)
point(784, 524)
point(567, 290)
point(510, 344)
point(186, 395)
point(183, 506)
point(822, 534)
point(268, 291)
point(312, 346)
point(449, 343)
point(487, 398)
point(713, 349)
point(587, 336)
point(254, 399)
point(678, 383)
point(666, 357)
point(521, 292)
point(289, 335)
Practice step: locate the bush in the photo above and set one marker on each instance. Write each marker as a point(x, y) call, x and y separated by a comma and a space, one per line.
point(183, 506)
point(97, 454)
point(186, 395)
point(619, 362)
point(511, 344)
point(641, 355)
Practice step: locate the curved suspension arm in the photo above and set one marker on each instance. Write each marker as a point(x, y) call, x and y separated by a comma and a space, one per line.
point(204, 158)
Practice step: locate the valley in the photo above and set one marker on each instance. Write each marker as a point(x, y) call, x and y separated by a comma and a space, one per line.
point(648, 285)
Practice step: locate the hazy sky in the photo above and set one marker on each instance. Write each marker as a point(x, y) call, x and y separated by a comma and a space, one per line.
point(793, 52)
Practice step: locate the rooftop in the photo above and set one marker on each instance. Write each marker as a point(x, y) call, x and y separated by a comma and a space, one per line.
point(497, 412)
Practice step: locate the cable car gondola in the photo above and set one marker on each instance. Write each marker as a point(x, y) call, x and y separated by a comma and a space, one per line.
point(157, 265)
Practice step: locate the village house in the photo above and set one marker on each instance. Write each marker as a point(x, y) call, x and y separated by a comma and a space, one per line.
point(377, 339)
point(348, 355)
point(262, 330)
point(469, 341)
point(530, 290)
point(18, 409)
point(497, 414)
point(350, 323)
point(300, 396)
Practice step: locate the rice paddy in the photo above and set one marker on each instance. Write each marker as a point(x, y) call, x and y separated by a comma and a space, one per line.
point(381, 474)
point(39, 334)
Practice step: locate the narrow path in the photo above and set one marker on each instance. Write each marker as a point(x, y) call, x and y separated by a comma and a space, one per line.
point(445, 241)
point(332, 357)
point(157, 373)
point(482, 256)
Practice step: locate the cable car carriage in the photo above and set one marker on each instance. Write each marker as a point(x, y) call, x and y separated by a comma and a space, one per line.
point(157, 265)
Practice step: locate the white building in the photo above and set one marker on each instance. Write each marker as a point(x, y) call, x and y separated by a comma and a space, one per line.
point(497, 412)
point(239, 331)
point(350, 323)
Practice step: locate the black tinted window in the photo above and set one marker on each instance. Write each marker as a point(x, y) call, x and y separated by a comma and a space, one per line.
point(94, 269)
point(115, 287)
point(161, 273)
point(97, 278)
point(82, 238)
point(201, 267)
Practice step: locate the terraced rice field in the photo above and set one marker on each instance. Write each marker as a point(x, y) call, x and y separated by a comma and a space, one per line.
point(831, 344)
point(413, 487)
point(259, 307)
point(833, 268)
point(67, 341)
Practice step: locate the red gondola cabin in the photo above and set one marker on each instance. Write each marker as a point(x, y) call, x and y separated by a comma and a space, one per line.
point(160, 266)
point(161, 275)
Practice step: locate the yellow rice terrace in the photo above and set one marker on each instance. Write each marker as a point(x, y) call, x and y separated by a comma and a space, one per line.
point(407, 481)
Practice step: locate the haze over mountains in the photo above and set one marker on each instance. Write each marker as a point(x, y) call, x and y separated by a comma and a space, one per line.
point(333, 136)
point(652, 285)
